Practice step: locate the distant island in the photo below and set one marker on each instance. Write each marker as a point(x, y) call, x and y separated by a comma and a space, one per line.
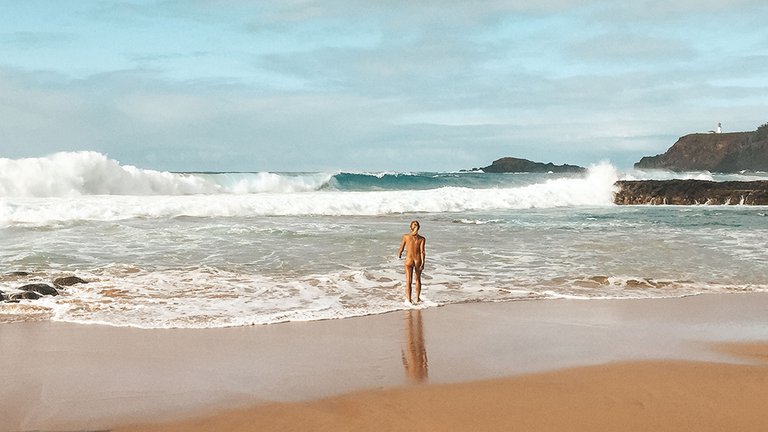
point(517, 165)
point(715, 152)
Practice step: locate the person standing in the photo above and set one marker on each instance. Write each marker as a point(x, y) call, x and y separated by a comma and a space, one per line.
point(415, 256)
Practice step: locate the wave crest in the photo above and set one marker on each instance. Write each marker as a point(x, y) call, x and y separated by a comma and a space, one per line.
point(70, 174)
point(594, 189)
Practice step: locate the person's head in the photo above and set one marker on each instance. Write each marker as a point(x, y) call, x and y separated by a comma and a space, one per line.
point(415, 226)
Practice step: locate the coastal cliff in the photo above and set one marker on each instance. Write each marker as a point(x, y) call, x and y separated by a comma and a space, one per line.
point(511, 165)
point(687, 192)
point(715, 152)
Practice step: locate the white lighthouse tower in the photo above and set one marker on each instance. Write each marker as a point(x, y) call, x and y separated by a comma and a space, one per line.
point(718, 130)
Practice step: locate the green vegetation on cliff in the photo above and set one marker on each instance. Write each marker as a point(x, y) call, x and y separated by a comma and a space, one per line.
point(715, 152)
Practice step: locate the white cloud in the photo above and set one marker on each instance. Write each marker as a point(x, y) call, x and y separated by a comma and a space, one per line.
point(354, 84)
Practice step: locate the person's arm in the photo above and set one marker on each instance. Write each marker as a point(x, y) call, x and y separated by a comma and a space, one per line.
point(423, 252)
point(402, 248)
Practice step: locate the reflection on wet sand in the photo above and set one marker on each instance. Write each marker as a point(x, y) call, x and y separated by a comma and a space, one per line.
point(415, 352)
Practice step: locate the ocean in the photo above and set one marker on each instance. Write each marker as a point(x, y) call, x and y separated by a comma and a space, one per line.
point(200, 250)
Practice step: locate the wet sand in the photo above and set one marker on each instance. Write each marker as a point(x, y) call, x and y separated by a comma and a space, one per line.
point(538, 365)
point(638, 396)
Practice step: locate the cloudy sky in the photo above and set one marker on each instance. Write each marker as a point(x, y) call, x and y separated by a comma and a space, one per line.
point(311, 85)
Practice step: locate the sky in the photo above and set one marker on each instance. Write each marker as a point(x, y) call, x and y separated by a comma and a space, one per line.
point(390, 85)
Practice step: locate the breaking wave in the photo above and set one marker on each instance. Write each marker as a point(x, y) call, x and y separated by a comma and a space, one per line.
point(90, 186)
point(90, 173)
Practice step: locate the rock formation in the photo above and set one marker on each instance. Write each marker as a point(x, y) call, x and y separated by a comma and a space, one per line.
point(715, 152)
point(68, 281)
point(33, 291)
point(24, 295)
point(686, 192)
point(40, 288)
point(511, 164)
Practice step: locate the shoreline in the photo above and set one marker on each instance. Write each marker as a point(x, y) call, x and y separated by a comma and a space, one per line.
point(74, 377)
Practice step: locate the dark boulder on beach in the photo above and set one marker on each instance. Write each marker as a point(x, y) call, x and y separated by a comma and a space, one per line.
point(691, 192)
point(40, 288)
point(68, 281)
point(3, 297)
point(517, 165)
point(28, 295)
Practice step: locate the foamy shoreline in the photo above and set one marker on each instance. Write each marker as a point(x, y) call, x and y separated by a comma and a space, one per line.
point(66, 376)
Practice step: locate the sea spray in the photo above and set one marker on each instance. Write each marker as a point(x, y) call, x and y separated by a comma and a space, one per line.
point(279, 195)
point(70, 174)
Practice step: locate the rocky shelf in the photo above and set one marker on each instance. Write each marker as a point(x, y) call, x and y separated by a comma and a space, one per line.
point(691, 192)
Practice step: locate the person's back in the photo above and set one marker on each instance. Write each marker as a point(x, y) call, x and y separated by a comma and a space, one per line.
point(413, 245)
point(415, 257)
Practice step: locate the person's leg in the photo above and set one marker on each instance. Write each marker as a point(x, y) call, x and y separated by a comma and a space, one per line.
point(418, 285)
point(408, 281)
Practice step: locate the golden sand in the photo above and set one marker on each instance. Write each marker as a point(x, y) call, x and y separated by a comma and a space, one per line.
point(633, 396)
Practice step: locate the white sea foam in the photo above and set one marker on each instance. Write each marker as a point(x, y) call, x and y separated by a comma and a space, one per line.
point(263, 182)
point(71, 174)
point(207, 298)
point(595, 189)
point(638, 174)
point(90, 173)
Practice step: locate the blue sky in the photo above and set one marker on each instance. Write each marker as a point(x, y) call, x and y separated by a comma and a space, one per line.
point(304, 85)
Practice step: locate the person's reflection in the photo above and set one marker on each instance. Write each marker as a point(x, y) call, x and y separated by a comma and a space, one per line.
point(414, 353)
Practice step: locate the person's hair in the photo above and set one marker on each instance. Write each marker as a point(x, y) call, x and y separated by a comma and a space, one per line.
point(415, 222)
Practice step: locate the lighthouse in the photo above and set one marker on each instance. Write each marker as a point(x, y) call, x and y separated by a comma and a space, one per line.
point(718, 130)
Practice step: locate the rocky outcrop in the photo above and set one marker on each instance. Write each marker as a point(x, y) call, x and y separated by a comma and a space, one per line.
point(68, 281)
point(24, 295)
point(33, 291)
point(687, 192)
point(512, 165)
point(715, 152)
point(40, 288)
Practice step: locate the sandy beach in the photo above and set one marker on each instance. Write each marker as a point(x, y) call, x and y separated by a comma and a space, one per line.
point(695, 363)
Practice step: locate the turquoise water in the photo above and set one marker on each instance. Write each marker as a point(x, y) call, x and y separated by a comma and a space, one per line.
point(231, 249)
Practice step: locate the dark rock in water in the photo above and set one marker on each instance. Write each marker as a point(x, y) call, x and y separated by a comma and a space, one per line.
point(511, 165)
point(14, 276)
point(691, 192)
point(40, 288)
point(68, 281)
point(29, 295)
point(717, 152)
point(2, 296)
